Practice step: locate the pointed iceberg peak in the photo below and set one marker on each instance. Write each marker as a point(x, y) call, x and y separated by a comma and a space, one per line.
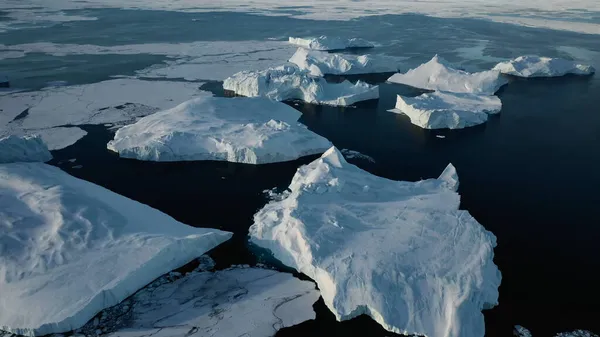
point(450, 176)
point(334, 157)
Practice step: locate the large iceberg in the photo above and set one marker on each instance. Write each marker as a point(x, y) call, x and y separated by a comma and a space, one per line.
point(444, 110)
point(330, 43)
point(290, 83)
point(400, 252)
point(319, 63)
point(437, 74)
point(69, 248)
point(242, 130)
point(536, 66)
point(29, 148)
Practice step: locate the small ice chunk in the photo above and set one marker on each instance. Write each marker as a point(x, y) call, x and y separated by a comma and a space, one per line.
point(438, 74)
point(577, 333)
point(29, 148)
point(330, 43)
point(290, 83)
point(440, 136)
point(351, 154)
point(242, 130)
point(400, 252)
point(536, 66)
point(319, 63)
point(444, 110)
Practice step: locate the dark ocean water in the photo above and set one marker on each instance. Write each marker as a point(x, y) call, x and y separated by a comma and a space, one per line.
point(529, 175)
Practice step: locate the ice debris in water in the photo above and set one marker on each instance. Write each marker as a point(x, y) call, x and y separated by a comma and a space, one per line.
point(536, 66)
point(330, 43)
point(520, 331)
point(351, 154)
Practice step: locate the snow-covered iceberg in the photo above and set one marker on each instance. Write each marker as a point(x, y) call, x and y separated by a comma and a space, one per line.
point(242, 130)
point(330, 43)
point(319, 63)
point(536, 66)
point(400, 252)
point(444, 110)
point(438, 74)
point(69, 248)
point(290, 83)
point(23, 149)
point(239, 301)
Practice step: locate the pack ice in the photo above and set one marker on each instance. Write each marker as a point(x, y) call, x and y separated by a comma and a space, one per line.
point(444, 110)
point(330, 43)
point(69, 248)
point(290, 83)
point(400, 252)
point(319, 63)
point(438, 74)
point(536, 66)
point(242, 130)
point(29, 148)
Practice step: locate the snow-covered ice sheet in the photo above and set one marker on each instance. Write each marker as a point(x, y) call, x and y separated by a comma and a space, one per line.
point(444, 110)
point(69, 248)
point(319, 63)
point(244, 130)
point(238, 301)
point(520, 331)
point(400, 252)
point(330, 43)
point(536, 66)
point(23, 149)
point(118, 101)
point(438, 74)
point(288, 82)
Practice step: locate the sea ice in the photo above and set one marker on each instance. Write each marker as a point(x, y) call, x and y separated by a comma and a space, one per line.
point(330, 43)
point(289, 83)
point(319, 63)
point(437, 74)
point(238, 301)
point(521, 331)
point(243, 130)
point(69, 248)
point(536, 66)
point(400, 252)
point(23, 149)
point(524, 332)
point(443, 110)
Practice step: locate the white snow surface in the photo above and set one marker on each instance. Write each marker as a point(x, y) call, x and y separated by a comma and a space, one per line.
point(444, 110)
point(288, 82)
point(319, 63)
point(438, 74)
point(238, 301)
point(330, 43)
point(400, 252)
point(536, 66)
point(69, 248)
point(23, 149)
point(244, 130)
point(120, 101)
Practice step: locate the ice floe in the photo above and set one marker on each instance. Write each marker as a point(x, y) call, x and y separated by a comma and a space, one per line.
point(437, 74)
point(400, 252)
point(243, 130)
point(443, 110)
point(120, 101)
point(238, 301)
point(520, 331)
point(330, 43)
point(23, 149)
point(319, 63)
point(288, 82)
point(536, 66)
point(72, 248)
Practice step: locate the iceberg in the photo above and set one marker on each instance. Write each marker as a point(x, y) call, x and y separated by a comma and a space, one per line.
point(437, 74)
point(536, 66)
point(238, 301)
point(400, 252)
point(69, 248)
point(241, 130)
point(330, 43)
point(319, 63)
point(29, 148)
point(444, 110)
point(290, 83)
